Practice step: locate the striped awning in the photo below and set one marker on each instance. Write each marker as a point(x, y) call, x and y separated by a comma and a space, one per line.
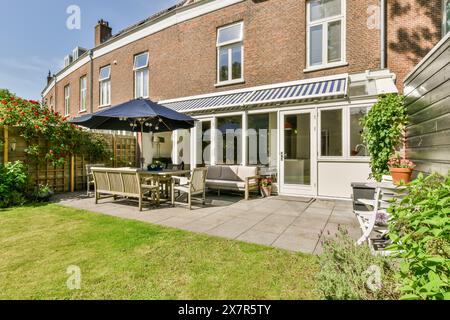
point(227, 100)
point(299, 91)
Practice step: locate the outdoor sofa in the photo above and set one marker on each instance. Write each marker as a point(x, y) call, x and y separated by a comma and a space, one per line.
point(233, 178)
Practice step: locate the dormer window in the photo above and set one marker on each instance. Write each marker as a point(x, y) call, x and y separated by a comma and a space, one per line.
point(230, 54)
point(141, 82)
point(325, 33)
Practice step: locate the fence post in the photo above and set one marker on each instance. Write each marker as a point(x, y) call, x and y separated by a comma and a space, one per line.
point(72, 174)
point(5, 145)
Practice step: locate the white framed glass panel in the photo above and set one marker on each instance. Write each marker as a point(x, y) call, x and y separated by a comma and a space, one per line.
point(331, 136)
point(334, 41)
point(230, 53)
point(230, 129)
point(105, 86)
point(321, 9)
point(326, 32)
point(316, 45)
point(357, 147)
point(105, 73)
point(230, 34)
point(141, 83)
point(262, 139)
point(83, 93)
point(446, 16)
point(141, 61)
point(67, 100)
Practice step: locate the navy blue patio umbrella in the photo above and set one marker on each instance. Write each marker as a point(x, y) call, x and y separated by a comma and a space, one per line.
point(139, 115)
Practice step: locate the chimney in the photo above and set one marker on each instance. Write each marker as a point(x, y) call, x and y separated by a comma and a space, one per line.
point(102, 32)
point(49, 77)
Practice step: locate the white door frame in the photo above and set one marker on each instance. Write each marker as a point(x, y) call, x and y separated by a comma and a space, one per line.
point(298, 190)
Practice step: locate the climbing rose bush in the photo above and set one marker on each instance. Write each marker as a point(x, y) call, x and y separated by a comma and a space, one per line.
point(37, 123)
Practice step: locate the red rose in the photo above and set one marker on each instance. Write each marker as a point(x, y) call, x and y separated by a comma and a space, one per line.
point(4, 102)
point(36, 127)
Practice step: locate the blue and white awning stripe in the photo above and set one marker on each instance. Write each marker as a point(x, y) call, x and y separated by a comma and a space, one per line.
point(221, 101)
point(322, 89)
point(300, 91)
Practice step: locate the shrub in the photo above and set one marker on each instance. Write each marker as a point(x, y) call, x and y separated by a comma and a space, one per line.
point(12, 184)
point(383, 131)
point(420, 231)
point(350, 272)
point(48, 134)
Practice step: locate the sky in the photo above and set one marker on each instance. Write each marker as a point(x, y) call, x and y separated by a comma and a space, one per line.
point(34, 37)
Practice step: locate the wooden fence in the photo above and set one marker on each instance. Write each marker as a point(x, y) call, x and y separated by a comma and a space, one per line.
point(71, 177)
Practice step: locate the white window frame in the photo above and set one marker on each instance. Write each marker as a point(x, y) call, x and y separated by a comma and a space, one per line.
point(51, 103)
point(67, 100)
point(445, 17)
point(106, 80)
point(349, 149)
point(344, 134)
point(83, 94)
point(142, 82)
point(324, 22)
point(229, 45)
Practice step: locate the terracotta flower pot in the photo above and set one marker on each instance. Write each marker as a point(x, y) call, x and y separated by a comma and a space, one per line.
point(400, 175)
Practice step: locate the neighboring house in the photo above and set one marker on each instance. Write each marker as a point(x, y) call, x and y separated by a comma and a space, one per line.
point(306, 71)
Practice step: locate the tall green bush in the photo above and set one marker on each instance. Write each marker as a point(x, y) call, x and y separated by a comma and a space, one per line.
point(13, 181)
point(383, 131)
point(420, 229)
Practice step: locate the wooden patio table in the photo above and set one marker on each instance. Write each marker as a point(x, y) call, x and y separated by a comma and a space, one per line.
point(162, 179)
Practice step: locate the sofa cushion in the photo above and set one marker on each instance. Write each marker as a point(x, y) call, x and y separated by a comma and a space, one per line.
point(244, 172)
point(225, 184)
point(214, 172)
point(230, 173)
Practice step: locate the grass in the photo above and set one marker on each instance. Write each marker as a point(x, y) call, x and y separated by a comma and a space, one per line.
point(121, 259)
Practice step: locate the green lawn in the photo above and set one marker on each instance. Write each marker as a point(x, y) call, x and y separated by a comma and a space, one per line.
point(122, 259)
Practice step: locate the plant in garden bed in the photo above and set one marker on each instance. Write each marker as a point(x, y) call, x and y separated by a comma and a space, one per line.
point(384, 127)
point(351, 272)
point(13, 183)
point(420, 229)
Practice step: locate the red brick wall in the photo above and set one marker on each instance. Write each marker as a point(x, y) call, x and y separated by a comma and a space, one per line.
point(183, 57)
point(414, 28)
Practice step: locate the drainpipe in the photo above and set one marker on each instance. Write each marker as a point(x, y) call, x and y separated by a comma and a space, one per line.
point(91, 91)
point(383, 33)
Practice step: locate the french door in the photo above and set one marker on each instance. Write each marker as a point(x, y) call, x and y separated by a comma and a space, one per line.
point(298, 153)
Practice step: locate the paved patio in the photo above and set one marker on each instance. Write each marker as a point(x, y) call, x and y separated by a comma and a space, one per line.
point(295, 224)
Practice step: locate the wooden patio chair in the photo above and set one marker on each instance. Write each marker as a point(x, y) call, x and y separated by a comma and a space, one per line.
point(90, 176)
point(194, 185)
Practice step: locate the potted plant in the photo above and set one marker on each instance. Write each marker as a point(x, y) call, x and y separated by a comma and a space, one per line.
point(155, 166)
point(266, 187)
point(400, 168)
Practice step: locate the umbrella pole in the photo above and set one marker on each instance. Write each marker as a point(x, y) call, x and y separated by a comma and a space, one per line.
point(142, 159)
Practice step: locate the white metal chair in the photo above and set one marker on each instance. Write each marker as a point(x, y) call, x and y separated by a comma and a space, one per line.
point(194, 185)
point(374, 223)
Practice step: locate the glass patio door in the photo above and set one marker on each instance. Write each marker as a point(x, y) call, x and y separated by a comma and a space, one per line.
point(298, 150)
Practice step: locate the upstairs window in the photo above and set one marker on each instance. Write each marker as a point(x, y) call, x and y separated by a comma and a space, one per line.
point(105, 86)
point(67, 100)
point(83, 93)
point(446, 7)
point(230, 53)
point(325, 33)
point(141, 76)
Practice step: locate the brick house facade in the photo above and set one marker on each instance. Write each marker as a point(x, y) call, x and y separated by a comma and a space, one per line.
point(182, 46)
